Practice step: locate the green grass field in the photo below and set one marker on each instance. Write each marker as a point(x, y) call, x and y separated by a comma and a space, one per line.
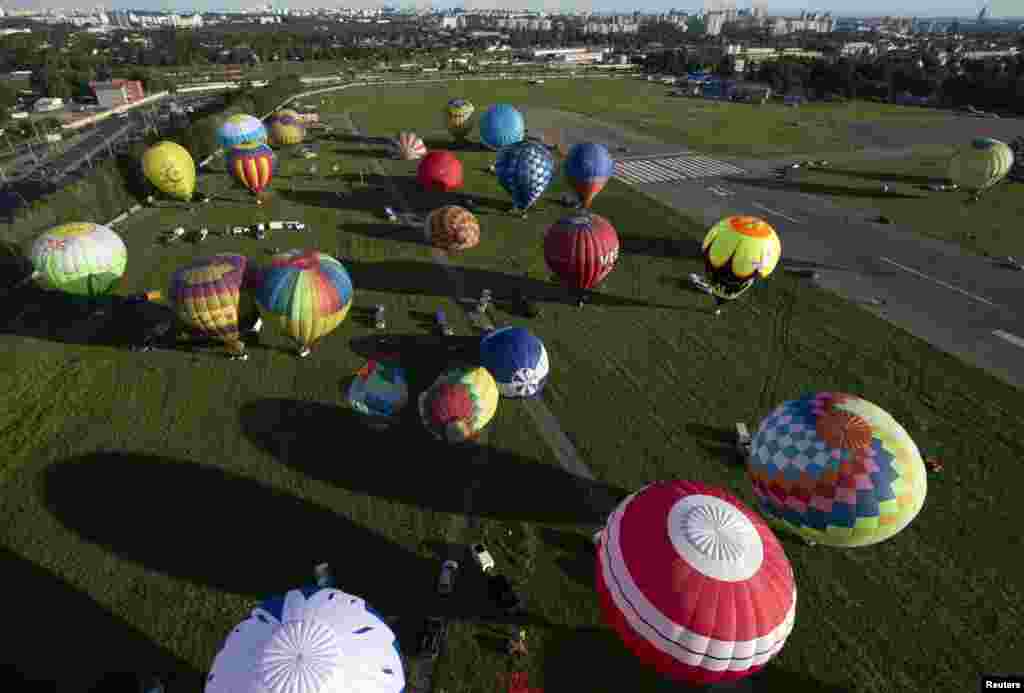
point(148, 500)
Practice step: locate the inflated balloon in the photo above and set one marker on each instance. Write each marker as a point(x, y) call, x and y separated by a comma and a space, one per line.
point(207, 295)
point(306, 293)
point(695, 583)
point(460, 403)
point(313, 640)
point(981, 164)
point(837, 469)
point(170, 168)
point(253, 166)
point(410, 146)
point(525, 170)
point(452, 228)
point(517, 360)
point(440, 171)
point(80, 258)
point(459, 118)
point(737, 251)
point(286, 128)
point(379, 391)
point(587, 169)
point(501, 125)
point(581, 249)
point(241, 129)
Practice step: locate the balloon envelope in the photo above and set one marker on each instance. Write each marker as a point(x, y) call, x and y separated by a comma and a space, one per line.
point(981, 164)
point(241, 129)
point(252, 166)
point(501, 125)
point(452, 228)
point(80, 258)
point(525, 171)
point(587, 169)
point(311, 640)
point(207, 295)
point(459, 117)
point(737, 251)
point(306, 293)
point(439, 171)
point(460, 403)
point(695, 583)
point(517, 360)
point(286, 127)
point(837, 469)
point(170, 168)
point(410, 146)
point(379, 391)
point(581, 249)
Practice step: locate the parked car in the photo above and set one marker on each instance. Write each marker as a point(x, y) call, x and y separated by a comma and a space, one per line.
point(482, 557)
point(446, 580)
point(431, 637)
point(239, 231)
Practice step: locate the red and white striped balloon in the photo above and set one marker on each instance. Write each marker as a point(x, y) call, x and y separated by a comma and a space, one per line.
point(695, 583)
point(410, 146)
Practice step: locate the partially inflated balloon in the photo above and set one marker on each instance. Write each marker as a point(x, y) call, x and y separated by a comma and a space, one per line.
point(459, 118)
point(581, 249)
point(517, 360)
point(379, 391)
point(207, 296)
point(981, 164)
point(241, 129)
point(525, 170)
point(452, 228)
point(306, 293)
point(738, 251)
point(501, 125)
point(440, 171)
point(410, 146)
point(253, 166)
point(80, 258)
point(286, 128)
point(170, 168)
point(837, 469)
point(460, 403)
point(588, 168)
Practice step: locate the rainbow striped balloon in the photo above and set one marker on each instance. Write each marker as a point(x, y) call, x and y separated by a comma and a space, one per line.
point(460, 403)
point(253, 166)
point(306, 293)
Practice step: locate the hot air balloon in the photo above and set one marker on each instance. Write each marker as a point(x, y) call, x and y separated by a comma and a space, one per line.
point(737, 251)
point(253, 166)
point(286, 127)
point(695, 583)
point(525, 171)
point(581, 250)
point(587, 168)
point(981, 164)
point(410, 147)
point(80, 258)
point(452, 228)
point(207, 295)
point(440, 171)
point(459, 118)
point(517, 360)
point(379, 391)
point(836, 469)
point(170, 168)
point(459, 404)
point(314, 640)
point(501, 125)
point(241, 129)
point(305, 293)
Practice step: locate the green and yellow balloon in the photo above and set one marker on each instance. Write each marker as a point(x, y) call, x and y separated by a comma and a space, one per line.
point(170, 168)
point(80, 258)
point(738, 251)
point(981, 164)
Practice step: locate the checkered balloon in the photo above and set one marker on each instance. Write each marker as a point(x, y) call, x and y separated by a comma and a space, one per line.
point(525, 170)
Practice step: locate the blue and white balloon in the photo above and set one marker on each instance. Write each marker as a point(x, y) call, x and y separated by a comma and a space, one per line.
point(517, 360)
point(501, 125)
point(313, 639)
point(525, 170)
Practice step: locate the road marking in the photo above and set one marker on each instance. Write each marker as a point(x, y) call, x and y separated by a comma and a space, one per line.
point(938, 281)
point(1011, 338)
point(776, 212)
point(665, 169)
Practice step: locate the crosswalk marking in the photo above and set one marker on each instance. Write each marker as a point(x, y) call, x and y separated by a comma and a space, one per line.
point(667, 169)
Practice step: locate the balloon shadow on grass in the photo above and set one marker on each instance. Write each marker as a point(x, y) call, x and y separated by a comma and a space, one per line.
point(408, 466)
point(91, 643)
point(575, 553)
point(214, 528)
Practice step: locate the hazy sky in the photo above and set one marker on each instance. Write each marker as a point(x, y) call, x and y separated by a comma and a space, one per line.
point(920, 8)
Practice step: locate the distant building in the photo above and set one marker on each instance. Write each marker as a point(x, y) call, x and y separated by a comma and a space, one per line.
point(117, 92)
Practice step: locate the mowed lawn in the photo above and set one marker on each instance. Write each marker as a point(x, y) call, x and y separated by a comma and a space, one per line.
point(148, 500)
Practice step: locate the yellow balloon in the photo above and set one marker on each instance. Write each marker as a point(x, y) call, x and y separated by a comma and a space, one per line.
point(170, 167)
point(981, 164)
point(286, 127)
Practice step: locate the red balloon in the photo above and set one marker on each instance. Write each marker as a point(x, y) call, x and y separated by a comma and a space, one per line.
point(440, 171)
point(581, 249)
